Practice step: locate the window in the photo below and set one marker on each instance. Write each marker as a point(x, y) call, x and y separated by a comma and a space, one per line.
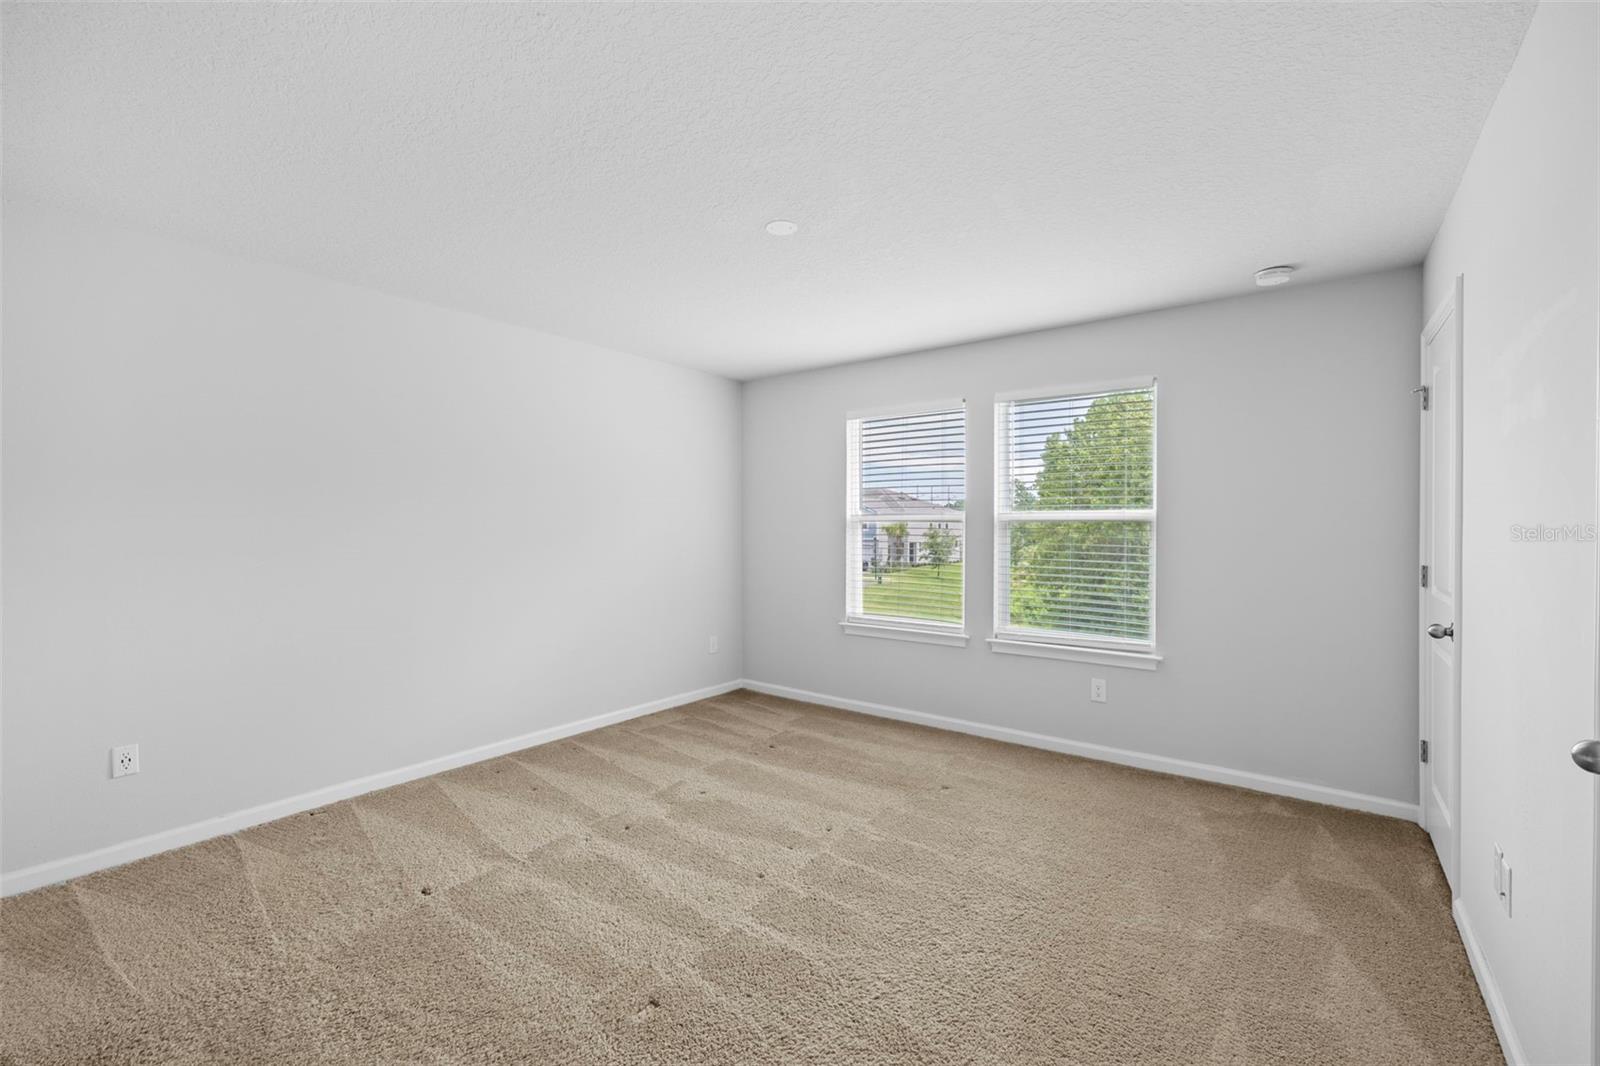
point(1075, 519)
point(905, 528)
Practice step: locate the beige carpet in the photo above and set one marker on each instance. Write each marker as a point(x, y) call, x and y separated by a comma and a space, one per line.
point(752, 880)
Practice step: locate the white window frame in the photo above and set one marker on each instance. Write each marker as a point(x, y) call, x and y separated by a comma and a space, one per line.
point(856, 623)
point(1020, 640)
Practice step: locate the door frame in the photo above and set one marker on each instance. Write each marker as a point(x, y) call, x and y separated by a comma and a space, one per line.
point(1451, 303)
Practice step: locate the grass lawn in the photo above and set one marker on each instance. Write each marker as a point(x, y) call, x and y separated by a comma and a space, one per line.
point(915, 592)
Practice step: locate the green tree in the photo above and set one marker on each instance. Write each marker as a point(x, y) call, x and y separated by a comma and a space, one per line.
point(1023, 498)
point(939, 544)
point(1092, 576)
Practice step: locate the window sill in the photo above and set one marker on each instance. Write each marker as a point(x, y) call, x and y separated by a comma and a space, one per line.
point(1132, 660)
point(950, 637)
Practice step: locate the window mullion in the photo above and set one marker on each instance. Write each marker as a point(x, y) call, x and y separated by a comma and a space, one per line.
point(1142, 514)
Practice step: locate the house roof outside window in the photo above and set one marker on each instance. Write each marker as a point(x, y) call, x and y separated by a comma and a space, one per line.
point(880, 502)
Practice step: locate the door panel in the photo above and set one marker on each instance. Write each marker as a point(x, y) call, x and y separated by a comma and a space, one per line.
point(1442, 452)
point(1442, 738)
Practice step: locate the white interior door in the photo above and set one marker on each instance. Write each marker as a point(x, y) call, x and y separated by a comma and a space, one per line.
point(1440, 585)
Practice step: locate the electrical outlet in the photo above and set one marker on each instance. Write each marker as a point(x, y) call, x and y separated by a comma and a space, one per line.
point(125, 760)
point(1097, 689)
point(713, 648)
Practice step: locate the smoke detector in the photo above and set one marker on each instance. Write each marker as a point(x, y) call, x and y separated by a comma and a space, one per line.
point(1274, 276)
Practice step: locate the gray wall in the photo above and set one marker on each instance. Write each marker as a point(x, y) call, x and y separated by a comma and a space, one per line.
point(1287, 536)
point(283, 532)
point(1522, 233)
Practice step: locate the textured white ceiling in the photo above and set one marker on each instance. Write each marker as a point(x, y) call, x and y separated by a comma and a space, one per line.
point(606, 171)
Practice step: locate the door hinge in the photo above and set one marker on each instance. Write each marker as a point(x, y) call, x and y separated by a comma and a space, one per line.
point(1423, 575)
point(1424, 751)
point(1423, 389)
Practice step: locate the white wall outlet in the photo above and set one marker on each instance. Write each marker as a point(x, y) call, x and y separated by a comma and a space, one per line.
point(1097, 689)
point(125, 760)
point(712, 649)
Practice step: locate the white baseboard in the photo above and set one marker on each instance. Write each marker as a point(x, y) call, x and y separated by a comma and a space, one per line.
point(1278, 786)
point(49, 873)
point(1510, 1046)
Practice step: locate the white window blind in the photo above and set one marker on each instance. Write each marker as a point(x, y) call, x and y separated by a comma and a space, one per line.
point(1075, 518)
point(905, 512)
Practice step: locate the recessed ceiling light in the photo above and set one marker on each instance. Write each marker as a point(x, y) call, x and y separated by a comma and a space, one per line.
point(782, 227)
point(1274, 276)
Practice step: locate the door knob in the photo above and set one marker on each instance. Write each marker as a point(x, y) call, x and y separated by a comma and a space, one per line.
point(1586, 753)
point(1439, 632)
